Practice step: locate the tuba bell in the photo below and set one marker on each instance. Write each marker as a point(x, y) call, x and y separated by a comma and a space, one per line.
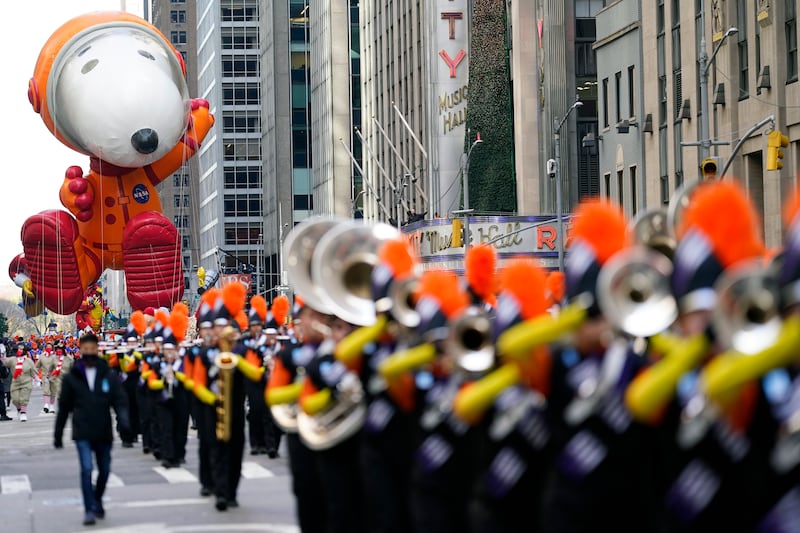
point(651, 229)
point(298, 250)
point(633, 291)
point(747, 315)
point(341, 420)
point(342, 266)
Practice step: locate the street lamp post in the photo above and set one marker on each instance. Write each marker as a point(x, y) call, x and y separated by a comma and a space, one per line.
point(705, 65)
point(467, 209)
point(559, 185)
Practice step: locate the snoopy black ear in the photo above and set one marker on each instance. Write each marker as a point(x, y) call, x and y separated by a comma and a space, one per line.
point(33, 94)
point(181, 62)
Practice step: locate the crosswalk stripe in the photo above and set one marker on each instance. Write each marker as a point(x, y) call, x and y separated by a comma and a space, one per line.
point(113, 480)
point(255, 471)
point(15, 484)
point(175, 475)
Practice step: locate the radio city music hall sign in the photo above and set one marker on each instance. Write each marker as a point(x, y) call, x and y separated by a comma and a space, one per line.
point(452, 102)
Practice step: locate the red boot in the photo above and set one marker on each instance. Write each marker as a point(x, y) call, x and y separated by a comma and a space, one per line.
point(151, 249)
point(51, 261)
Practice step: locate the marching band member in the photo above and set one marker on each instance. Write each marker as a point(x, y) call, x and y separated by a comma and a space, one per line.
point(283, 389)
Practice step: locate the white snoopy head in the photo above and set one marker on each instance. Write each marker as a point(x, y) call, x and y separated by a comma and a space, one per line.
point(117, 92)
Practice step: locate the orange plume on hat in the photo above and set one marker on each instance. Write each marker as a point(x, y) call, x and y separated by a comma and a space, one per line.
point(139, 322)
point(280, 309)
point(241, 319)
point(233, 296)
point(162, 317)
point(398, 256)
point(181, 308)
point(259, 304)
point(791, 208)
point(727, 218)
point(526, 280)
point(555, 286)
point(600, 225)
point(444, 288)
point(210, 296)
point(179, 324)
point(480, 264)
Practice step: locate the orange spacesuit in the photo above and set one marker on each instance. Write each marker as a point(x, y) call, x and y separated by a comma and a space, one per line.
point(111, 86)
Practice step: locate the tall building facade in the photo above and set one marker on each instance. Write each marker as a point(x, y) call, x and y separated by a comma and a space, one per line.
point(395, 77)
point(621, 108)
point(552, 62)
point(335, 104)
point(753, 76)
point(179, 193)
point(231, 180)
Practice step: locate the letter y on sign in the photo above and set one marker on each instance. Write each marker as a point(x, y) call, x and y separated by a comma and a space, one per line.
point(453, 62)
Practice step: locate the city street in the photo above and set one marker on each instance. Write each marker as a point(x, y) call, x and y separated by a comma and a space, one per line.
point(41, 493)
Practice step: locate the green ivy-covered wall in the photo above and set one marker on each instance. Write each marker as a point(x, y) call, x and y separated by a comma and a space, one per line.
point(491, 167)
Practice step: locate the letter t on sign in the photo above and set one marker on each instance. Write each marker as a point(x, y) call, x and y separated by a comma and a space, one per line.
point(453, 62)
point(452, 17)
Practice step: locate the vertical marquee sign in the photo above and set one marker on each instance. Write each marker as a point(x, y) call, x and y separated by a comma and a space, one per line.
point(450, 51)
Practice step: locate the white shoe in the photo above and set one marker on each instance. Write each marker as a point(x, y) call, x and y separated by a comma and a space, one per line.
point(52, 411)
point(23, 417)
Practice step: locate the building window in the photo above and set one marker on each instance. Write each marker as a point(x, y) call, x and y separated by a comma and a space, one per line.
point(744, 82)
point(185, 241)
point(605, 102)
point(245, 205)
point(241, 94)
point(660, 25)
point(239, 14)
point(241, 66)
point(303, 202)
point(791, 41)
point(607, 185)
point(184, 56)
point(176, 200)
point(181, 221)
point(757, 40)
point(677, 129)
point(620, 189)
point(180, 180)
point(242, 233)
point(634, 206)
point(243, 178)
point(631, 92)
point(177, 16)
point(178, 37)
point(664, 190)
point(618, 95)
point(239, 38)
point(241, 122)
point(242, 150)
point(178, 1)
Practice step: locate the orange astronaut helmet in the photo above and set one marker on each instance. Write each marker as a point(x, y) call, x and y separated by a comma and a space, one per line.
point(101, 77)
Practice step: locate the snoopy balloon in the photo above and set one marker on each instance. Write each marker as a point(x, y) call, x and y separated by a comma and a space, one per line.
point(112, 87)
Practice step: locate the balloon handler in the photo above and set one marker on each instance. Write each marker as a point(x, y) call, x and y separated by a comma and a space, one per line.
point(109, 85)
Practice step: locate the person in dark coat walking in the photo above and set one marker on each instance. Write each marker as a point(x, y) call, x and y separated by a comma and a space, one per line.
point(89, 392)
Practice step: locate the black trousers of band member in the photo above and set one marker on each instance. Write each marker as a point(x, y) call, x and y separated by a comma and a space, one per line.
point(306, 486)
point(226, 457)
point(206, 424)
point(129, 386)
point(341, 486)
point(148, 423)
point(173, 420)
point(386, 471)
point(262, 432)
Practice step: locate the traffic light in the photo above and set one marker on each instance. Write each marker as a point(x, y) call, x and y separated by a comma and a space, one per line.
point(777, 140)
point(457, 240)
point(710, 168)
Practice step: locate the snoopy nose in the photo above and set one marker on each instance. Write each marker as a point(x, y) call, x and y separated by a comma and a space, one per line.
point(145, 141)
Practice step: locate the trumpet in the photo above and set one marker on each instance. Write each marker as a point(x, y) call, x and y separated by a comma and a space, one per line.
point(471, 343)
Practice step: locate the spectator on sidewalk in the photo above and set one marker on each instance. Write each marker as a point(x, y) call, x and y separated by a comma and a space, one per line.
point(89, 392)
